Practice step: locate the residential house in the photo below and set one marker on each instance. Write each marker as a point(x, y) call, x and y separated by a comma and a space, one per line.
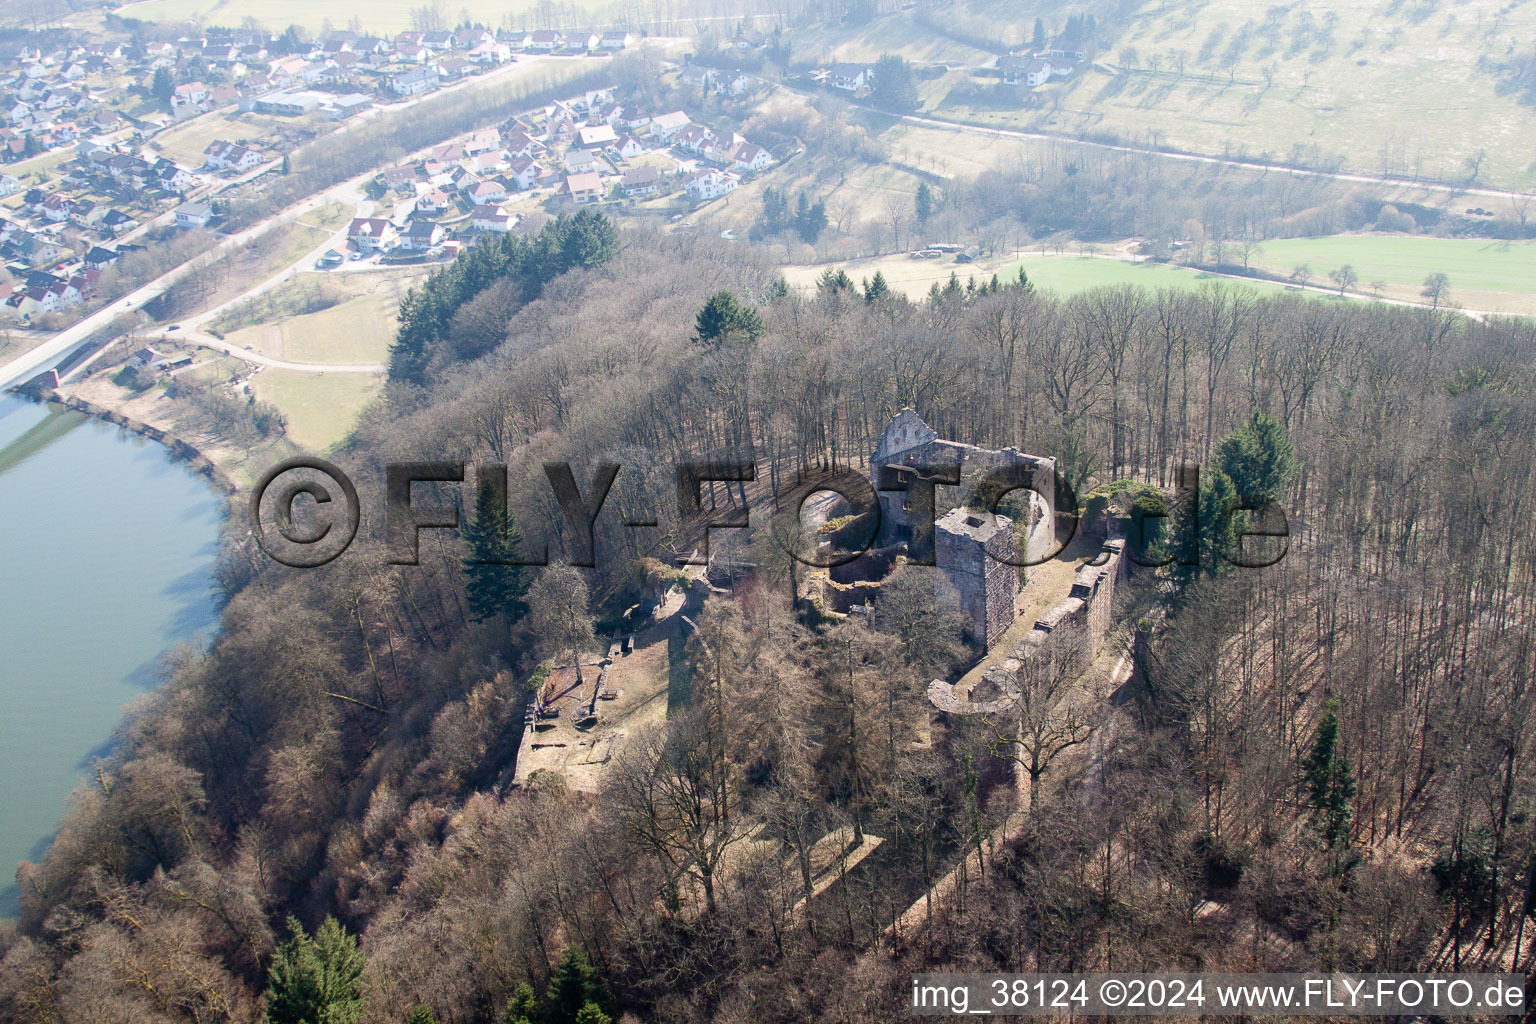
point(642, 181)
point(711, 184)
point(115, 223)
point(400, 179)
point(434, 201)
point(694, 138)
point(849, 77)
point(583, 188)
point(525, 173)
point(411, 83)
point(521, 144)
point(1029, 71)
point(596, 137)
point(189, 98)
point(546, 40)
point(421, 235)
point(628, 147)
point(371, 234)
point(484, 192)
point(664, 126)
point(227, 156)
point(615, 40)
point(581, 161)
point(471, 38)
point(492, 218)
point(193, 215)
point(98, 258)
point(751, 158)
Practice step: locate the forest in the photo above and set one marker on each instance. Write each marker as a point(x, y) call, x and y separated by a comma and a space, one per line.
point(1327, 764)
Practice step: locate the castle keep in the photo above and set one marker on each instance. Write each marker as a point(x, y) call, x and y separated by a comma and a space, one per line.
point(971, 547)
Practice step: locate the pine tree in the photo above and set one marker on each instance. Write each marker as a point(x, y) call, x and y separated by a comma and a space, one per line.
point(894, 86)
point(163, 86)
point(1208, 528)
point(1259, 458)
point(575, 986)
point(833, 281)
point(876, 289)
point(421, 1015)
point(1330, 782)
point(924, 202)
point(523, 1007)
point(315, 980)
point(592, 1014)
point(725, 317)
point(1037, 41)
point(494, 584)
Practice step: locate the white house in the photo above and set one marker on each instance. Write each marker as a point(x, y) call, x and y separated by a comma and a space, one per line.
point(712, 184)
point(193, 215)
point(751, 158)
point(421, 235)
point(492, 218)
point(226, 156)
point(371, 234)
point(525, 173)
point(848, 77)
point(545, 40)
point(596, 136)
point(642, 181)
point(664, 126)
point(628, 147)
point(584, 188)
point(1030, 71)
point(486, 192)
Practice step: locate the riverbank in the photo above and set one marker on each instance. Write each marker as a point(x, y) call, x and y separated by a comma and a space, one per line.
point(195, 458)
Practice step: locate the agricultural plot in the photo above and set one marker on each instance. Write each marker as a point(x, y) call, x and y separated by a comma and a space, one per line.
point(322, 408)
point(1386, 87)
point(1485, 274)
point(1063, 274)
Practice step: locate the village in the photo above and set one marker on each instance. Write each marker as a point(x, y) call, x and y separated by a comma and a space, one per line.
point(91, 182)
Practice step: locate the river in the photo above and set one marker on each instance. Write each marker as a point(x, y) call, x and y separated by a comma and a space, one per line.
point(107, 546)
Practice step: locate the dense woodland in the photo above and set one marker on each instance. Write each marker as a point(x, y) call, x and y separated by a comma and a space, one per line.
point(1328, 764)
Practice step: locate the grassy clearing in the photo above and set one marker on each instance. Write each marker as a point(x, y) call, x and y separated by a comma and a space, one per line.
point(1485, 274)
point(1064, 274)
point(322, 408)
point(185, 143)
point(375, 15)
point(358, 329)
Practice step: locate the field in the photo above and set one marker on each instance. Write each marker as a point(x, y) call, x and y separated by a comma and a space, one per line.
point(321, 408)
point(185, 142)
point(358, 329)
point(1485, 275)
point(382, 16)
point(1064, 274)
point(1391, 86)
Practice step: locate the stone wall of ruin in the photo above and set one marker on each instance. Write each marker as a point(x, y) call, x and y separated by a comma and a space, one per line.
point(1082, 619)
